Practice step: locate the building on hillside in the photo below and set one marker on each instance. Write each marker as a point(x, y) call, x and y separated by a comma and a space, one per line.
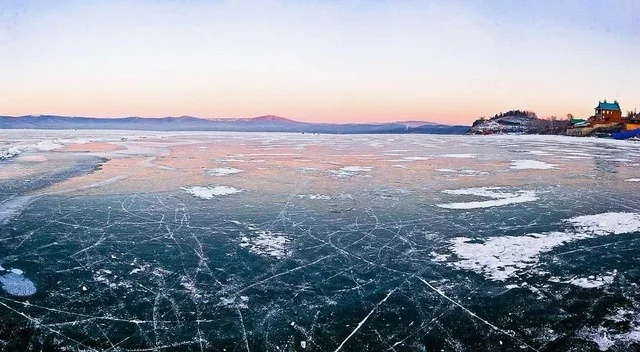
point(607, 113)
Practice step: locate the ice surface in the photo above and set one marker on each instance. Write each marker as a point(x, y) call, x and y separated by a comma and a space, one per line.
point(12, 208)
point(331, 246)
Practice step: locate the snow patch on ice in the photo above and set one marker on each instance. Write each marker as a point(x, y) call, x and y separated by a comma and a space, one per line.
point(531, 164)
point(416, 158)
point(459, 156)
point(632, 180)
point(501, 258)
point(592, 281)
point(538, 152)
point(464, 172)
point(266, 243)
point(348, 171)
point(600, 336)
point(48, 146)
point(14, 283)
point(223, 171)
point(607, 223)
point(314, 196)
point(210, 192)
point(498, 198)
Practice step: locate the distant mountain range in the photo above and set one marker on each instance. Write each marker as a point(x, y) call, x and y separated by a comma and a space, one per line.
point(267, 123)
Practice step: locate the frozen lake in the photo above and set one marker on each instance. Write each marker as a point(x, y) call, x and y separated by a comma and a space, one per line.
point(145, 241)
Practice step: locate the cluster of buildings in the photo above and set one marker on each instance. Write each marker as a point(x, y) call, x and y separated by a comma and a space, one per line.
point(608, 118)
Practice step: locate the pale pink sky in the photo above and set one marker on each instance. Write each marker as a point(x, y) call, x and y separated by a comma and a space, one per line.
point(317, 61)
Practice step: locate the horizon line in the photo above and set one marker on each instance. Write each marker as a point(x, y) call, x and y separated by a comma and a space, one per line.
point(242, 117)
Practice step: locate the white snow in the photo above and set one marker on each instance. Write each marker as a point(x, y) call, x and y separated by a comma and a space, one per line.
point(607, 223)
point(48, 146)
point(499, 198)
point(592, 282)
point(416, 158)
point(314, 196)
point(501, 258)
point(266, 243)
point(348, 171)
point(633, 180)
point(210, 192)
point(459, 156)
point(223, 171)
point(538, 152)
point(531, 164)
point(600, 336)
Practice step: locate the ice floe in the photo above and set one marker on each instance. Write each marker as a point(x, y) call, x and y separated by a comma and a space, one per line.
point(498, 198)
point(531, 164)
point(223, 171)
point(266, 243)
point(504, 257)
point(210, 192)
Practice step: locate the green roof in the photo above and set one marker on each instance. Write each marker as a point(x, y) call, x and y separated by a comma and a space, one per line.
point(603, 105)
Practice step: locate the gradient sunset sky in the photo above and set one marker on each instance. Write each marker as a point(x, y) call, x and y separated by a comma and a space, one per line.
point(318, 61)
